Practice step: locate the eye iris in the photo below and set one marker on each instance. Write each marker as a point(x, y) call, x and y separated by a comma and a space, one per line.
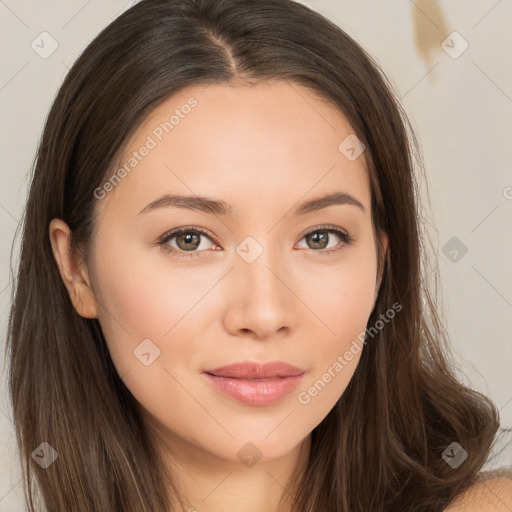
point(184, 240)
point(187, 238)
point(318, 237)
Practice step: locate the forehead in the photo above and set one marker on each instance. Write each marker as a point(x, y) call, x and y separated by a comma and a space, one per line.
point(275, 140)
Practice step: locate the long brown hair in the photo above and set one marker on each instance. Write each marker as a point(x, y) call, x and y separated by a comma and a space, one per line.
point(380, 448)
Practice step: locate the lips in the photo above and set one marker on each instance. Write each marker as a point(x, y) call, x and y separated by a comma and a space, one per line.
point(248, 370)
point(255, 384)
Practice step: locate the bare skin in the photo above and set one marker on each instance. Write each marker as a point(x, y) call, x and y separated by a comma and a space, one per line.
point(262, 149)
point(490, 496)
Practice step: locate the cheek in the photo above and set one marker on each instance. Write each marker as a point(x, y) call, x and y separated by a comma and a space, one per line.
point(138, 301)
point(181, 310)
point(143, 300)
point(340, 296)
point(174, 306)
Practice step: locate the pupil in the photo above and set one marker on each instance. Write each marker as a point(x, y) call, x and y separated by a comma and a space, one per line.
point(188, 239)
point(318, 236)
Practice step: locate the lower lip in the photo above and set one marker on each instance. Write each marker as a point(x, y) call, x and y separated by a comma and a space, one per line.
point(252, 392)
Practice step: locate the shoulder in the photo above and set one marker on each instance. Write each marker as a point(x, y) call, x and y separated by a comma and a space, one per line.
point(492, 494)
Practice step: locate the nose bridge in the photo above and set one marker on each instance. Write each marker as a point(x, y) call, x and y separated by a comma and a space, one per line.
point(259, 262)
point(264, 301)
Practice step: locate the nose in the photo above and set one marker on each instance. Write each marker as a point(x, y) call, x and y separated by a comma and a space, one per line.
point(262, 302)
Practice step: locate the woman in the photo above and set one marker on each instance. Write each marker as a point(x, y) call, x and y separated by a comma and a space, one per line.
point(219, 302)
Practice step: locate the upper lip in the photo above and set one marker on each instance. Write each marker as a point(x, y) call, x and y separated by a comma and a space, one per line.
point(255, 370)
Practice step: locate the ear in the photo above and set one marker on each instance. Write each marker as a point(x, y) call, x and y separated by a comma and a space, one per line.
point(72, 270)
point(380, 264)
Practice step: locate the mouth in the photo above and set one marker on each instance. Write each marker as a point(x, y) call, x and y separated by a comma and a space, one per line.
point(247, 379)
point(255, 384)
point(256, 371)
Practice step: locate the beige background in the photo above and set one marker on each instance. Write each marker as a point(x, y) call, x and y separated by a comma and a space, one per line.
point(460, 104)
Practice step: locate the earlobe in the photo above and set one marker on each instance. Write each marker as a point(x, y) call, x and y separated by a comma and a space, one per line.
point(72, 271)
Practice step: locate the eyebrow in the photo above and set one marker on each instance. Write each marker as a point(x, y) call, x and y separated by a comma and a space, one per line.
point(217, 207)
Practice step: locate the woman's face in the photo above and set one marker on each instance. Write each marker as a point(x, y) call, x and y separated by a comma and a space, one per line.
point(254, 285)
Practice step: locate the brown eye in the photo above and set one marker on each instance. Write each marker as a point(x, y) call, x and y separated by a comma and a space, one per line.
point(188, 241)
point(319, 239)
point(322, 240)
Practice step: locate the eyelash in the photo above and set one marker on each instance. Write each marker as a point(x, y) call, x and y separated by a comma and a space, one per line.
point(162, 242)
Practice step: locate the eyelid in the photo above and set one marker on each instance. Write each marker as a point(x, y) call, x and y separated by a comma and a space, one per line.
point(162, 242)
point(177, 231)
point(325, 227)
point(346, 237)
